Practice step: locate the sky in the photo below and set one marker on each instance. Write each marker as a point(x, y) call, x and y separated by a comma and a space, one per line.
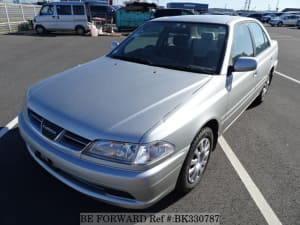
point(239, 4)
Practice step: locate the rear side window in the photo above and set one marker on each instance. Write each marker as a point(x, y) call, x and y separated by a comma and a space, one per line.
point(242, 43)
point(99, 9)
point(186, 13)
point(47, 10)
point(78, 9)
point(63, 9)
point(260, 38)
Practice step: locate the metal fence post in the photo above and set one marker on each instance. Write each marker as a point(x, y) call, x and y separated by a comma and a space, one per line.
point(22, 12)
point(7, 16)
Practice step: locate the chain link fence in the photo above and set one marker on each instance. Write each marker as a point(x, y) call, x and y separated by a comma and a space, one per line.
point(16, 17)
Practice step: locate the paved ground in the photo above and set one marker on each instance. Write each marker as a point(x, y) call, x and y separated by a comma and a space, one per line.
point(266, 140)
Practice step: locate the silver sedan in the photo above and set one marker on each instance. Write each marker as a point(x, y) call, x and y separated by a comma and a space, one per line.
point(130, 127)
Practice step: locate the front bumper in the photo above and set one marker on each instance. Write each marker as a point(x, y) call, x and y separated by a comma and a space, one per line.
point(274, 22)
point(124, 188)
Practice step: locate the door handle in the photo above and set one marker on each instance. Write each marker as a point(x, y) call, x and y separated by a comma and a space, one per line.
point(53, 17)
point(57, 17)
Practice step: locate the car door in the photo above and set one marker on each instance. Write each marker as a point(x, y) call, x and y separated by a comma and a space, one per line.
point(286, 20)
point(294, 20)
point(79, 15)
point(239, 84)
point(47, 17)
point(64, 17)
point(263, 54)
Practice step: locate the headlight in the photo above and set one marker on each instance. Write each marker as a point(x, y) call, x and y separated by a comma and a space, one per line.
point(128, 152)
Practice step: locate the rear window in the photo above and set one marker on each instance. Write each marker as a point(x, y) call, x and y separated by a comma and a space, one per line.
point(171, 12)
point(78, 10)
point(98, 9)
point(63, 10)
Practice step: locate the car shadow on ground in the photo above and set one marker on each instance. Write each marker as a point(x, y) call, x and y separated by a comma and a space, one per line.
point(32, 196)
point(62, 34)
point(49, 34)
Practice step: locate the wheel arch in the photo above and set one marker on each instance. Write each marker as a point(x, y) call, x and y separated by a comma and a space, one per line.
point(78, 25)
point(214, 125)
point(39, 25)
point(272, 73)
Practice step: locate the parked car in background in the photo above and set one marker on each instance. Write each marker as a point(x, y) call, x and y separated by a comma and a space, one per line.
point(257, 16)
point(269, 16)
point(130, 127)
point(71, 16)
point(62, 16)
point(171, 12)
point(285, 19)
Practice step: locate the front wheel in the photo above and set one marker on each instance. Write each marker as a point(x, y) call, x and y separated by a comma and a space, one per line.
point(264, 90)
point(196, 161)
point(40, 30)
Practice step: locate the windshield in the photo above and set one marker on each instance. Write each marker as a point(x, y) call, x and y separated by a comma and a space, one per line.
point(195, 47)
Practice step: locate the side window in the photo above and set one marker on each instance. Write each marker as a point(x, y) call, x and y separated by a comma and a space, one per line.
point(47, 10)
point(78, 9)
point(242, 43)
point(260, 38)
point(63, 10)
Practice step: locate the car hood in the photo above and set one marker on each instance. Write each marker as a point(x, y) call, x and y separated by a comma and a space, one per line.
point(112, 99)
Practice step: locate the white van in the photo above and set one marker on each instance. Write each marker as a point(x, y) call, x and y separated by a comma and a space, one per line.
point(62, 16)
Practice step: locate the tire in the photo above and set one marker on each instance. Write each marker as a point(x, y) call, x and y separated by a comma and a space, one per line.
point(261, 97)
point(80, 30)
point(196, 161)
point(280, 24)
point(272, 25)
point(40, 29)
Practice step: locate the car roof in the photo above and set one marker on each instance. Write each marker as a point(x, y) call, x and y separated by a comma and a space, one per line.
point(219, 19)
point(64, 3)
point(166, 9)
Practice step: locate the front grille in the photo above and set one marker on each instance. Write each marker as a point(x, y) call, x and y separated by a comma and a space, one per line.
point(56, 133)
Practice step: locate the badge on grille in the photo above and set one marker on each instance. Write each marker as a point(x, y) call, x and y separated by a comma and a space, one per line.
point(50, 130)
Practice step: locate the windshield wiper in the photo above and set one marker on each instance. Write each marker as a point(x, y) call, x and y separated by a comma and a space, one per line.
point(185, 68)
point(133, 59)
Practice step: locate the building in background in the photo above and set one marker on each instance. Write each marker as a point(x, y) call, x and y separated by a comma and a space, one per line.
point(199, 7)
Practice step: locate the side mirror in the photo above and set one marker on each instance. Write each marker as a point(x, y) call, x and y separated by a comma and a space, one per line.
point(114, 44)
point(244, 64)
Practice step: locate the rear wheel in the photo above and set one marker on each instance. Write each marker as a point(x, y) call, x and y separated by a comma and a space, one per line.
point(40, 30)
point(196, 161)
point(80, 30)
point(280, 24)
